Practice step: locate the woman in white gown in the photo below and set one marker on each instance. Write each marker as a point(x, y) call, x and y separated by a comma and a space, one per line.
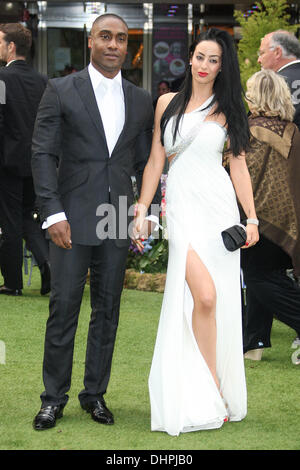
point(197, 378)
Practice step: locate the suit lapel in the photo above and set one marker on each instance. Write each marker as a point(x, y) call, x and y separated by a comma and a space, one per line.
point(85, 90)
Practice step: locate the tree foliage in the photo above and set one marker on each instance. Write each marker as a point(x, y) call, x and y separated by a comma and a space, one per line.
point(268, 16)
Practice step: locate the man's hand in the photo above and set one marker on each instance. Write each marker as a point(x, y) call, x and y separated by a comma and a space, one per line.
point(60, 234)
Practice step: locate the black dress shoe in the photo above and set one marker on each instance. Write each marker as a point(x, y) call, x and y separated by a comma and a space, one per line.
point(47, 416)
point(45, 278)
point(99, 412)
point(6, 291)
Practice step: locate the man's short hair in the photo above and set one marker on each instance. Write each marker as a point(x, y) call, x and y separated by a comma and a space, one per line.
point(18, 34)
point(112, 15)
point(288, 43)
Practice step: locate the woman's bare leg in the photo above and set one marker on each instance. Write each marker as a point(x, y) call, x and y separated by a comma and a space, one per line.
point(204, 313)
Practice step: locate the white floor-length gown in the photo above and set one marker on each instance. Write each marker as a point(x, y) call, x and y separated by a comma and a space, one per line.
point(200, 203)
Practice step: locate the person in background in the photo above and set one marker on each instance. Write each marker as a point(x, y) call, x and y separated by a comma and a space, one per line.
point(162, 88)
point(22, 89)
point(274, 167)
point(280, 51)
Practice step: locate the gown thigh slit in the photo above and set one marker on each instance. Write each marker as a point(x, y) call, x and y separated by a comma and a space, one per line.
point(200, 203)
point(203, 293)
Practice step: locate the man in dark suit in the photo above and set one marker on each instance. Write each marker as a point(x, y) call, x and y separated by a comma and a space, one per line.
point(280, 51)
point(97, 128)
point(21, 91)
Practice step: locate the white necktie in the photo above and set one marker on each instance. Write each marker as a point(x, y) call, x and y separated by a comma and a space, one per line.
point(111, 105)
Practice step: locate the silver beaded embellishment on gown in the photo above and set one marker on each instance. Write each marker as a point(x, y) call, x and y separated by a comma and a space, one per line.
point(188, 139)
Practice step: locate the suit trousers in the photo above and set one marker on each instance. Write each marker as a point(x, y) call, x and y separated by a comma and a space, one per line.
point(17, 201)
point(69, 268)
point(270, 293)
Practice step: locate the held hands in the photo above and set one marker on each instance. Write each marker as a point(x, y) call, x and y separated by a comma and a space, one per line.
point(141, 228)
point(60, 234)
point(252, 235)
point(141, 232)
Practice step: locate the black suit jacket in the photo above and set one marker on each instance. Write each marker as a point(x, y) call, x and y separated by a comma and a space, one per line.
point(291, 73)
point(71, 166)
point(23, 88)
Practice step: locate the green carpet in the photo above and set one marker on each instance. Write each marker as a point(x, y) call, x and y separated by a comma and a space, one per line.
point(273, 385)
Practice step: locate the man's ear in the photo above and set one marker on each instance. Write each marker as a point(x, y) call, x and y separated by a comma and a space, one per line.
point(11, 49)
point(278, 52)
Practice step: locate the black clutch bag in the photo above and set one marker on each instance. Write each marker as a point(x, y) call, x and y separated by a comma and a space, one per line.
point(234, 237)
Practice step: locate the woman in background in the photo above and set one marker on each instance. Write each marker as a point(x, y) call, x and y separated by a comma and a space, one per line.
point(274, 166)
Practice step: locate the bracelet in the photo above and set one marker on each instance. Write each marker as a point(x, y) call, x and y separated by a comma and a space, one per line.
point(253, 221)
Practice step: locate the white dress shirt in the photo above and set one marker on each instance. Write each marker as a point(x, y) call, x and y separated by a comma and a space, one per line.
point(110, 100)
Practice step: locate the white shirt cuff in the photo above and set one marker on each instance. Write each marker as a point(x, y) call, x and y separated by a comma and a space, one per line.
point(53, 219)
point(155, 220)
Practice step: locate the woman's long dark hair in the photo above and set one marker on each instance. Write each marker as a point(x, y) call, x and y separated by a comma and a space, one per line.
point(227, 90)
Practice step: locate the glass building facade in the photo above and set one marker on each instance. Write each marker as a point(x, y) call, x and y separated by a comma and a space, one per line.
point(159, 34)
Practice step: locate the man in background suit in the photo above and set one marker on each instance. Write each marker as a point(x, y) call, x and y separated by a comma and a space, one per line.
point(280, 51)
point(97, 127)
point(21, 92)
